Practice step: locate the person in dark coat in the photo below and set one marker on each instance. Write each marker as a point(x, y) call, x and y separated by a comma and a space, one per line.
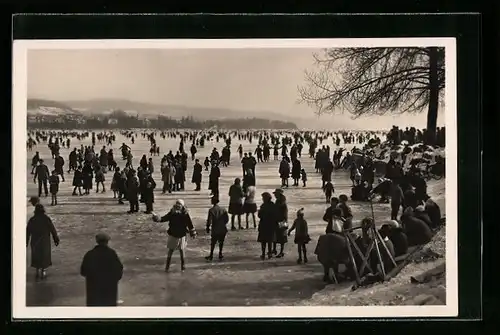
point(236, 197)
point(141, 175)
point(296, 171)
point(149, 197)
point(267, 225)
point(102, 270)
point(301, 235)
point(42, 176)
point(217, 220)
point(326, 173)
point(213, 179)
point(434, 212)
point(38, 231)
point(197, 175)
point(397, 236)
point(59, 165)
point(88, 176)
point(397, 199)
point(179, 224)
point(77, 180)
point(418, 231)
point(282, 222)
point(421, 214)
point(284, 171)
point(144, 162)
point(34, 201)
point(133, 190)
point(54, 187)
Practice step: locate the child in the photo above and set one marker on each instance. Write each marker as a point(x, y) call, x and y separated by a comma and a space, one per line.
point(346, 211)
point(303, 175)
point(329, 190)
point(54, 187)
point(301, 235)
point(206, 163)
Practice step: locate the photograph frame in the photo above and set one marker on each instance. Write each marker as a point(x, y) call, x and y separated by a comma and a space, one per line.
point(124, 18)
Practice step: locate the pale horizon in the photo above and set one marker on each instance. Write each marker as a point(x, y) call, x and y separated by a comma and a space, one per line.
point(261, 80)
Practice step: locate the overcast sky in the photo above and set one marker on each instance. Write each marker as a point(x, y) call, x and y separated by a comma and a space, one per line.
point(240, 79)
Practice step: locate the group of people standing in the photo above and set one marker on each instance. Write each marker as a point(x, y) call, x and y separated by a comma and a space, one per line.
point(138, 185)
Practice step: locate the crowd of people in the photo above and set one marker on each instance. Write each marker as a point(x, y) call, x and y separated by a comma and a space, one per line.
point(413, 214)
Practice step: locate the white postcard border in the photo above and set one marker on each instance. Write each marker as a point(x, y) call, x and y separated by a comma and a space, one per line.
point(19, 193)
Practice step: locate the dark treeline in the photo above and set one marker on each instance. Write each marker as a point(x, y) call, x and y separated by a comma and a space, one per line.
point(114, 121)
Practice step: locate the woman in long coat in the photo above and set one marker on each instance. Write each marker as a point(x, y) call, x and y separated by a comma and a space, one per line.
point(88, 176)
point(39, 230)
point(236, 198)
point(167, 176)
point(197, 175)
point(281, 222)
point(296, 167)
point(267, 225)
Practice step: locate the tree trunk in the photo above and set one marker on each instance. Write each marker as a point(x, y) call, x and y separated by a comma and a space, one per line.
point(432, 113)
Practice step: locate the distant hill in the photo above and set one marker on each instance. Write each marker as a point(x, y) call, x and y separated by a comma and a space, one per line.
point(150, 110)
point(174, 111)
point(49, 108)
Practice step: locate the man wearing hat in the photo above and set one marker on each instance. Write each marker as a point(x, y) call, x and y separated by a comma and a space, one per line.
point(102, 270)
point(42, 175)
point(267, 225)
point(34, 201)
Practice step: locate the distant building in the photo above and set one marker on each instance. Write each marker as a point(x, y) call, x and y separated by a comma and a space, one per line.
point(113, 121)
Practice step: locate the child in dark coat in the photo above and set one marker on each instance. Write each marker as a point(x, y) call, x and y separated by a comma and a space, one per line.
point(303, 176)
point(54, 187)
point(301, 235)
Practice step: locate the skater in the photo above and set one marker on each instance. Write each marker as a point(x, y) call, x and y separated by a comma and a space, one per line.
point(133, 192)
point(217, 219)
point(149, 197)
point(301, 235)
point(213, 179)
point(88, 175)
point(77, 181)
point(54, 187)
point(267, 225)
point(284, 171)
point(99, 179)
point(102, 270)
point(249, 206)
point(42, 176)
point(197, 175)
point(236, 202)
point(303, 176)
point(38, 232)
point(179, 224)
point(328, 189)
point(59, 165)
point(282, 222)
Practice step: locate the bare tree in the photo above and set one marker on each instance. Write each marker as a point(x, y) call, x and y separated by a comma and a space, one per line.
point(376, 81)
